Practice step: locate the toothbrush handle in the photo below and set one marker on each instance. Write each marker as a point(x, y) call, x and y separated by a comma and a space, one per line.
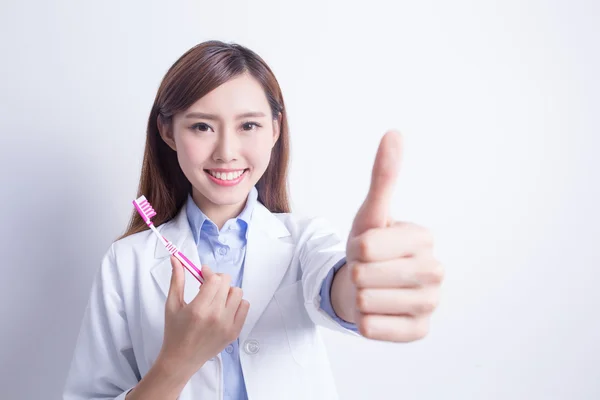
point(173, 250)
point(195, 271)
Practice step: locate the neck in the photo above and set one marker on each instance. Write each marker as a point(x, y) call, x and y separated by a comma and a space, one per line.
point(217, 213)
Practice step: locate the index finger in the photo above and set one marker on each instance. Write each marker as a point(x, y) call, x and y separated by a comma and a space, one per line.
point(207, 290)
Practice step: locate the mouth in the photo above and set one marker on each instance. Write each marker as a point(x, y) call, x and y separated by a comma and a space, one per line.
point(226, 177)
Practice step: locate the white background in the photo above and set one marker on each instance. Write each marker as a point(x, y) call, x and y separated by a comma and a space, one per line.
point(499, 105)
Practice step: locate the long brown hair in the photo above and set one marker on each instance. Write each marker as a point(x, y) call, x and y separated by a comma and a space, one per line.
point(201, 69)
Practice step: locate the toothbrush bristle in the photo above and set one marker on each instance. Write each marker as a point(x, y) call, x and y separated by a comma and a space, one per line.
point(147, 209)
point(144, 208)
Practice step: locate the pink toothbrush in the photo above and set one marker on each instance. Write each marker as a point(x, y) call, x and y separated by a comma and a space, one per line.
point(146, 211)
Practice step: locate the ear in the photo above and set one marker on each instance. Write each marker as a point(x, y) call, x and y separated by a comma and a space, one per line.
point(277, 128)
point(166, 133)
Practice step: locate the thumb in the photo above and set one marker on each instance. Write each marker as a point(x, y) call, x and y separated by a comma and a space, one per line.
point(374, 212)
point(175, 296)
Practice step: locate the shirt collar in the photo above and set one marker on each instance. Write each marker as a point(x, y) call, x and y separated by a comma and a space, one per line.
point(198, 220)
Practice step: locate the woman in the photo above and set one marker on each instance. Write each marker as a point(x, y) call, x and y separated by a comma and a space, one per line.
point(215, 170)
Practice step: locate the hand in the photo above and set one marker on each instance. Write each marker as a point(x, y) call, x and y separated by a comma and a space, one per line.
point(395, 275)
point(198, 331)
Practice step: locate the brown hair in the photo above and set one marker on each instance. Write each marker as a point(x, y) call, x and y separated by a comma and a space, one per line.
point(201, 69)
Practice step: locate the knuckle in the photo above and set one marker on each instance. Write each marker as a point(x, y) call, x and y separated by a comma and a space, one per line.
point(212, 317)
point(365, 327)
point(225, 282)
point(426, 306)
point(235, 294)
point(365, 246)
point(362, 300)
point(358, 274)
point(437, 272)
point(197, 315)
point(421, 329)
point(432, 273)
point(427, 237)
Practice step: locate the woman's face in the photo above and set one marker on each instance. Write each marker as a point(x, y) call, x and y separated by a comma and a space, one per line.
point(224, 142)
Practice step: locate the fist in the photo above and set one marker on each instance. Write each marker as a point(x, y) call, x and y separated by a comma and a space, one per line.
point(396, 279)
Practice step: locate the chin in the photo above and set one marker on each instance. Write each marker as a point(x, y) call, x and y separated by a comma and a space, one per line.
point(224, 196)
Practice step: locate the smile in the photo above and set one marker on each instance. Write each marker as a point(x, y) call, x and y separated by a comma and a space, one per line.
point(226, 177)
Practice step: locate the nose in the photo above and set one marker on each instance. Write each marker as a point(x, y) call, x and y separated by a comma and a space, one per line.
point(227, 147)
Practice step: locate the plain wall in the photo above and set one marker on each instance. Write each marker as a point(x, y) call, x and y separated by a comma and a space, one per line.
point(498, 102)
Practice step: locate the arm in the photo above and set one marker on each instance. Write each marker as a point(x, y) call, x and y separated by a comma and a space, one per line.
point(161, 382)
point(104, 365)
point(321, 255)
point(343, 294)
point(327, 299)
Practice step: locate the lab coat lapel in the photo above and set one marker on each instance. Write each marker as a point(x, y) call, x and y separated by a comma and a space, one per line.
point(178, 231)
point(268, 257)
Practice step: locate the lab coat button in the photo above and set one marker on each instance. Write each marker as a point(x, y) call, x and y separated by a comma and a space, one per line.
point(223, 251)
point(251, 346)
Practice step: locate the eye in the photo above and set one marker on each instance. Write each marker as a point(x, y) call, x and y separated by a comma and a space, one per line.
point(249, 124)
point(200, 126)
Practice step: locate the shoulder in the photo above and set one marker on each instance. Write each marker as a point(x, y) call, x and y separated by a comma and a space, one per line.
point(302, 227)
point(133, 250)
point(133, 243)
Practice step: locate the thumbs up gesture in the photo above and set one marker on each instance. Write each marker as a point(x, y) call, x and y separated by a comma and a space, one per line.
point(395, 277)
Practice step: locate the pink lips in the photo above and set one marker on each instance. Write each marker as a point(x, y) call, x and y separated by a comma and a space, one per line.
point(232, 182)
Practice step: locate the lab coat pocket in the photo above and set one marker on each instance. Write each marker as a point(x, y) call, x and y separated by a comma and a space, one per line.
point(300, 330)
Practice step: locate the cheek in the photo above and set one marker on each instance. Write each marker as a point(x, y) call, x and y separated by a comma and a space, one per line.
point(262, 153)
point(192, 153)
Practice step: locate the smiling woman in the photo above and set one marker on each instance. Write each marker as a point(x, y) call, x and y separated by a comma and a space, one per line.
point(221, 152)
point(218, 109)
point(215, 169)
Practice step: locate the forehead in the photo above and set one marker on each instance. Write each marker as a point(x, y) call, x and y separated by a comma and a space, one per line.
point(240, 94)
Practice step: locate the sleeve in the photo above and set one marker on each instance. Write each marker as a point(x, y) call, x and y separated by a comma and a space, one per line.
point(326, 297)
point(321, 248)
point(103, 365)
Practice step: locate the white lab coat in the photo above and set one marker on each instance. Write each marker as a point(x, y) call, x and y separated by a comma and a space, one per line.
point(281, 351)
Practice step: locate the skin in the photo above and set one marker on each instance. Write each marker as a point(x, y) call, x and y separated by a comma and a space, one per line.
point(198, 331)
point(391, 282)
point(389, 286)
point(226, 142)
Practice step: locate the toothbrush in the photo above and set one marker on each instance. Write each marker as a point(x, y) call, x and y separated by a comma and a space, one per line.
point(146, 211)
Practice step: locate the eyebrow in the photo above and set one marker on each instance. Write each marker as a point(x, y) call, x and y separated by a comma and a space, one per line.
point(216, 117)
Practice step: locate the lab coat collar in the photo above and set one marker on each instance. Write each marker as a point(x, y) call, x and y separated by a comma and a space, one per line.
point(197, 218)
point(268, 256)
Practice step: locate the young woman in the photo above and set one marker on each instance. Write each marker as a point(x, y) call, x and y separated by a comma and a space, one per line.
point(215, 170)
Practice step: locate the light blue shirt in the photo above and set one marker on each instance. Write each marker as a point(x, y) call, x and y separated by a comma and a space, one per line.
point(224, 251)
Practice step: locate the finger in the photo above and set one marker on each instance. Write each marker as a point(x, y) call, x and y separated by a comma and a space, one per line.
point(175, 295)
point(207, 290)
point(413, 272)
point(374, 212)
point(240, 315)
point(234, 298)
point(222, 292)
point(415, 302)
point(402, 239)
point(393, 328)
point(207, 272)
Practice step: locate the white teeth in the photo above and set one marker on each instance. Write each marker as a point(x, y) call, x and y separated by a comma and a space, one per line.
point(227, 176)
